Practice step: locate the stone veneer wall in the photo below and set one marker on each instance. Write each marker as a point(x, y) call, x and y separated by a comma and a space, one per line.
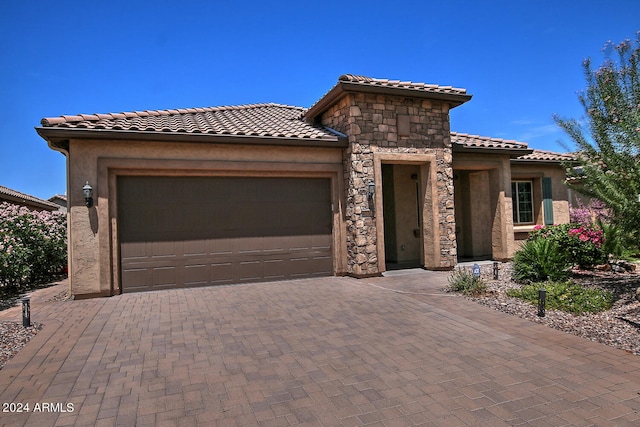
point(370, 122)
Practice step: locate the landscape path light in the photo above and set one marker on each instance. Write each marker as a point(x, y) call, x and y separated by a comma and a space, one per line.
point(26, 312)
point(542, 302)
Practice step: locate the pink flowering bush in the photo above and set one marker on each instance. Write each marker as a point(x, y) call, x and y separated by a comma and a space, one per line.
point(592, 213)
point(33, 245)
point(616, 242)
point(580, 244)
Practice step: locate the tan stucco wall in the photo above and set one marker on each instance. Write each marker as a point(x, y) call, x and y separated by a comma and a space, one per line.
point(479, 188)
point(483, 204)
point(93, 238)
point(472, 218)
point(560, 193)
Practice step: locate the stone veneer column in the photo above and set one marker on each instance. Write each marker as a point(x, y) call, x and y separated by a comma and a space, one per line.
point(370, 122)
point(362, 255)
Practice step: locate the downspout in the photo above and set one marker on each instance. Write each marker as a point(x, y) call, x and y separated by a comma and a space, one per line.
point(65, 152)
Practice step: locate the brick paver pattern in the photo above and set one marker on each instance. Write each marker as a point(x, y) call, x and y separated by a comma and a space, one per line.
point(336, 351)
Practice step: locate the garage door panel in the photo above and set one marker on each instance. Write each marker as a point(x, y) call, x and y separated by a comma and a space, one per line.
point(201, 231)
point(220, 247)
point(195, 275)
point(273, 244)
point(301, 265)
point(164, 249)
point(321, 242)
point(301, 243)
point(249, 271)
point(245, 245)
point(164, 276)
point(134, 250)
point(273, 269)
point(221, 273)
point(192, 248)
point(135, 277)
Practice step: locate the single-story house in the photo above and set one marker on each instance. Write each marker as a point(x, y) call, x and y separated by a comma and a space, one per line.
point(19, 198)
point(60, 200)
point(367, 179)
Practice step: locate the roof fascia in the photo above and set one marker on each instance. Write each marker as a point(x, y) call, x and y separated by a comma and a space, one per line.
point(512, 152)
point(344, 87)
point(58, 138)
point(556, 162)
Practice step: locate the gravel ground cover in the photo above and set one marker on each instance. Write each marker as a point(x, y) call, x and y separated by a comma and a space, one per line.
point(13, 336)
point(617, 327)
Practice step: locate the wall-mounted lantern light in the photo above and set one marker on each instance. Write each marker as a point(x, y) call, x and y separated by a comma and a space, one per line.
point(87, 191)
point(371, 190)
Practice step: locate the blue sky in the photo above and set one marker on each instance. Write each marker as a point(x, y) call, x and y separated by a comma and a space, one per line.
point(521, 61)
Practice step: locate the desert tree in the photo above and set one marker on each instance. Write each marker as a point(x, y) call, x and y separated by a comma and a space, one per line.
point(608, 139)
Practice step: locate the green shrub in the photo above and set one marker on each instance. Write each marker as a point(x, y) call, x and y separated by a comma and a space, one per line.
point(465, 282)
point(33, 245)
point(617, 243)
point(566, 296)
point(613, 239)
point(538, 260)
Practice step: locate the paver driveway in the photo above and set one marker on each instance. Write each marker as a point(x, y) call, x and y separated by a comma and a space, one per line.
point(389, 351)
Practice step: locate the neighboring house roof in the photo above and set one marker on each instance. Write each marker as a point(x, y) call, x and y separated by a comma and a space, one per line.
point(60, 200)
point(18, 198)
point(60, 197)
point(349, 83)
point(273, 123)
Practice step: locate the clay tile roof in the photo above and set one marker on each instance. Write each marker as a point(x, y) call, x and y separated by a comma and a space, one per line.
point(261, 120)
point(7, 194)
point(547, 156)
point(401, 84)
point(354, 83)
point(475, 141)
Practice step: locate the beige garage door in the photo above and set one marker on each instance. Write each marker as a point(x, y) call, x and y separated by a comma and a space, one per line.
point(199, 231)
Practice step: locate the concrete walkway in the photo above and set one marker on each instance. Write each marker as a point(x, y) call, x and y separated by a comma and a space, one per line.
point(387, 351)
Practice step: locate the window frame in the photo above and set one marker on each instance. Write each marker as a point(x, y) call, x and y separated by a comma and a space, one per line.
point(515, 200)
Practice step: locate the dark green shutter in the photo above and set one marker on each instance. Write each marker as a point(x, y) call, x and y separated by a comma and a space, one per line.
point(547, 201)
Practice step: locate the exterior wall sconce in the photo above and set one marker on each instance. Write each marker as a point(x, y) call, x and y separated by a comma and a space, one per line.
point(371, 191)
point(87, 191)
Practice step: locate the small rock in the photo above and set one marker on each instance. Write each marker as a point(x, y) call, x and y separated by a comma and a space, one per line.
point(627, 266)
point(621, 266)
point(617, 269)
point(638, 294)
